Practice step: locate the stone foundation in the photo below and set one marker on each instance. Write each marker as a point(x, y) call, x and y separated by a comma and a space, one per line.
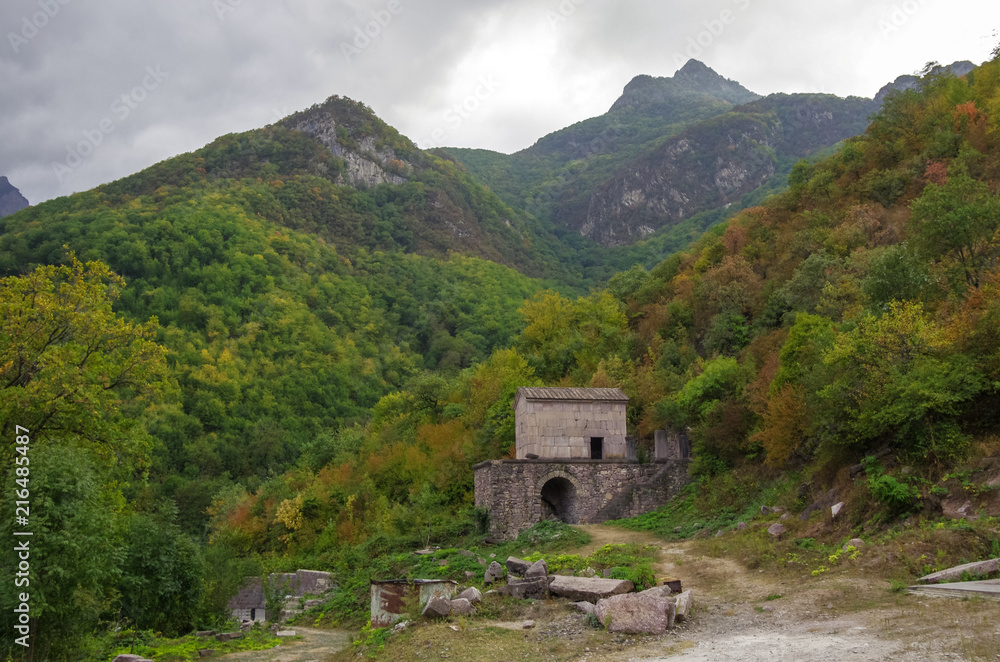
point(520, 493)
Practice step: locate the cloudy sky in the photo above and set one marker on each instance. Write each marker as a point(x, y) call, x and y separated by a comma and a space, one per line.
point(93, 91)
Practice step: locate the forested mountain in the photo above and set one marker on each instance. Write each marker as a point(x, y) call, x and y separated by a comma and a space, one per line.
point(668, 149)
point(296, 341)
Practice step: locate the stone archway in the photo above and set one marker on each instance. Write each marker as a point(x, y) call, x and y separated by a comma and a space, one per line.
point(559, 500)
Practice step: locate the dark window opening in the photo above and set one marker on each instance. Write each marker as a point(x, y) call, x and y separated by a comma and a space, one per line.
point(253, 614)
point(597, 448)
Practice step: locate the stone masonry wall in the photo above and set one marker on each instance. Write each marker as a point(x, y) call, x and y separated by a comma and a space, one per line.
point(562, 429)
point(601, 489)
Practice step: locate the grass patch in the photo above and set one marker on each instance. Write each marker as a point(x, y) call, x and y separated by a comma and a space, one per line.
point(713, 504)
point(186, 648)
point(382, 558)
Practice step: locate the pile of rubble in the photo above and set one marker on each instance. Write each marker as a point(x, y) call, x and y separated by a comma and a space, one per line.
point(612, 602)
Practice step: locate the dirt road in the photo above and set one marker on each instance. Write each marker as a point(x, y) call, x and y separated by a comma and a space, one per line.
point(837, 616)
point(314, 646)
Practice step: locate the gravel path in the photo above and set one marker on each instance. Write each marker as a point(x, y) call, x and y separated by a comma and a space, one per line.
point(314, 646)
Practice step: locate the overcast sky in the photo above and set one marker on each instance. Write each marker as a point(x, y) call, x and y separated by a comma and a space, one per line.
point(94, 91)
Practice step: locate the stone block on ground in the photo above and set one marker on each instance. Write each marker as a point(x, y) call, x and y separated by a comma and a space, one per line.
point(437, 607)
point(462, 607)
point(955, 574)
point(584, 606)
point(836, 508)
point(472, 594)
point(635, 613)
point(494, 572)
point(856, 543)
point(776, 530)
point(537, 569)
point(589, 589)
point(684, 603)
point(205, 633)
point(658, 592)
point(131, 658)
point(228, 636)
point(536, 588)
point(516, 566)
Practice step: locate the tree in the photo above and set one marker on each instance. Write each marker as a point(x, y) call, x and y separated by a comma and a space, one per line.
point(959, 221)
point(70, 367)
point(74, 552)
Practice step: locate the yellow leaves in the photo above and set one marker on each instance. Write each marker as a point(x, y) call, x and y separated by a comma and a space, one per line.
point(289, 513)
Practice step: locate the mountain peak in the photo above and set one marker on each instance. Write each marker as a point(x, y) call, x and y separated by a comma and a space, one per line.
point(11, 199)
point(694, 77)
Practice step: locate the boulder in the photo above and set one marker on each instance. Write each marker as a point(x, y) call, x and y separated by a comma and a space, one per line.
point(205, 633)
point(856, 543)
point(469, 575)
point(471, 594)
point(635, 613)
point(776, 530)
point(741, 526)
point(462, 607)
point(589, 589)
point(131, 658)
point(587, 572)
point(684, 603)
point(437, 607)
point(494, 572)
point(536, 588)
point(585, 607)
point(955, 574)
point(836, 508)
point(516, 566)
point(537, 569)
point(527, 625)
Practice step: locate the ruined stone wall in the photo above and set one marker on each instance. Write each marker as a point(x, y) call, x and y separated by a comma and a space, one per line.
point(601, 490)
point(561, 429)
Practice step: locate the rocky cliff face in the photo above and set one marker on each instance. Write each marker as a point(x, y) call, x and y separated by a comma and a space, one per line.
point(11, 199)
point(908, 82)
point(716, 162)
point(707, 167)
point(367, 165)
point(373, 152)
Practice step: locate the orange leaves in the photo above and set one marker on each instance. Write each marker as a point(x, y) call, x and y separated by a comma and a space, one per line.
point(784, 425)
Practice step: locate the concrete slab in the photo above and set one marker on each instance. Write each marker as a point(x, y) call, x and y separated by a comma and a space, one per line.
point(989, 588)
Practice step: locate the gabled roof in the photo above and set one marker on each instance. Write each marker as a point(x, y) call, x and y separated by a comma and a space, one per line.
point(570, 394)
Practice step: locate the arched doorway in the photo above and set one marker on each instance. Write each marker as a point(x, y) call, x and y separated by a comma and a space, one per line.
point(559, 500)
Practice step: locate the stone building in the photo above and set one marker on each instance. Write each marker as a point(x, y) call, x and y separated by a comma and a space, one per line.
point(573, 462)
point(570, 423)
point(250, 603)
